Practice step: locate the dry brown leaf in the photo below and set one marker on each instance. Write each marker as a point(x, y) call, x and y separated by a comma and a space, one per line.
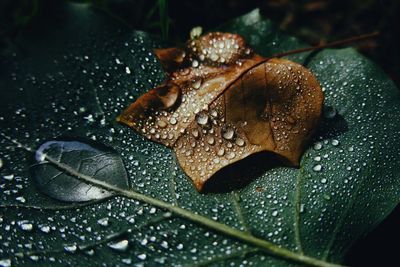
point(223, 103)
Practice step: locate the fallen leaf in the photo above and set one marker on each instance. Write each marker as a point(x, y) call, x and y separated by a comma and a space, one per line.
point(222, 103)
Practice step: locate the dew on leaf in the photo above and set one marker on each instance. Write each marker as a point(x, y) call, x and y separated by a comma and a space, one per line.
point(8, 177)
point(317, 167)
point(318, 146)
point(71, 248)
point(104, 221)
point(335, 142)
point(142, 256)
point(228, 133)
point(120, 245)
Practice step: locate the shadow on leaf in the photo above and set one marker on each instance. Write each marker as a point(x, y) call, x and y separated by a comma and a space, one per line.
point(241, 173)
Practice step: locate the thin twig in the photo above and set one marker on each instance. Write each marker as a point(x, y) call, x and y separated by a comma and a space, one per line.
point(332, 44)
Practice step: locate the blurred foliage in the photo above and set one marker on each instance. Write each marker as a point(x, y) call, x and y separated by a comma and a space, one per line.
point(315, 21)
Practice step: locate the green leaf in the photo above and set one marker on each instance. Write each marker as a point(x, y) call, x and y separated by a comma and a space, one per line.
point(75, 76)
point(102, 163)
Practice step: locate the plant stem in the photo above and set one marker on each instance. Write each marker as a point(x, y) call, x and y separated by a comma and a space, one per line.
point(332, 44)
point(217, 226)
point(264, 245)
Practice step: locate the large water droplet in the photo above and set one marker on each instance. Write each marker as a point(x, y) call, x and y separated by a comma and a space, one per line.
point(103, 222)
point(228, 133)
point(161, 124)
point(71, 248)
point(317, 167)
point(335, 142)
point(202, 118)
point(318, 146)
point(239, 142)
point(211, 140)
point(25, 225)
point(8, 177)
point(221, 152)
point(197, 84)
point(231, 155)
point(5, 263)
point(120, 245)
point(142, 256)
point(173, 121)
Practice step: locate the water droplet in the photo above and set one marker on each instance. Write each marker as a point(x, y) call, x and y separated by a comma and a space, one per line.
point(103, 222)
point(71, 248)
point(9, 177)
point(211, 140)
point(228, 133)
point(195, 133)
point(127, 261)
point(214, 57)
point(275, 213)
point(317, 168)
point(173, 121)
point(21, 199)
point(302, 208)
point(25, 225)
point(197, 84)
point(335, 142)
point(142, 256)
point(221, 152)
point(5, 263)
point(323, 180)
point(202, 118)
point(195, 63)
point(231, 155)
point(318, 146)
point(34, 257)
point(45, 229)
point(164, 244)
point(120, 245)
point(239, 142)
point(161, 124)
point(89, 252)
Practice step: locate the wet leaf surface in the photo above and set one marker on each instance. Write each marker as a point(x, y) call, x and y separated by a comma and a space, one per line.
point(223, 103)
point(347, 181)
point(102, 163)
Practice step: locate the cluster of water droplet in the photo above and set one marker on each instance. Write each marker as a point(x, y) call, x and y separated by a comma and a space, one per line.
point(210, 144)
point(218, 48)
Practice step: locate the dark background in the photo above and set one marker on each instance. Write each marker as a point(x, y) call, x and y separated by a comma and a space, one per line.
point(315, 22)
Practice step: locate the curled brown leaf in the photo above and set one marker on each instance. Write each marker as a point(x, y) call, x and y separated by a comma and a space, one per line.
point(223, 103)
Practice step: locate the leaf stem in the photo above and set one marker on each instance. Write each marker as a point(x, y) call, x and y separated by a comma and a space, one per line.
point(332, 44)
point(194, 217)
point(262, 60)
point(264, 245)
